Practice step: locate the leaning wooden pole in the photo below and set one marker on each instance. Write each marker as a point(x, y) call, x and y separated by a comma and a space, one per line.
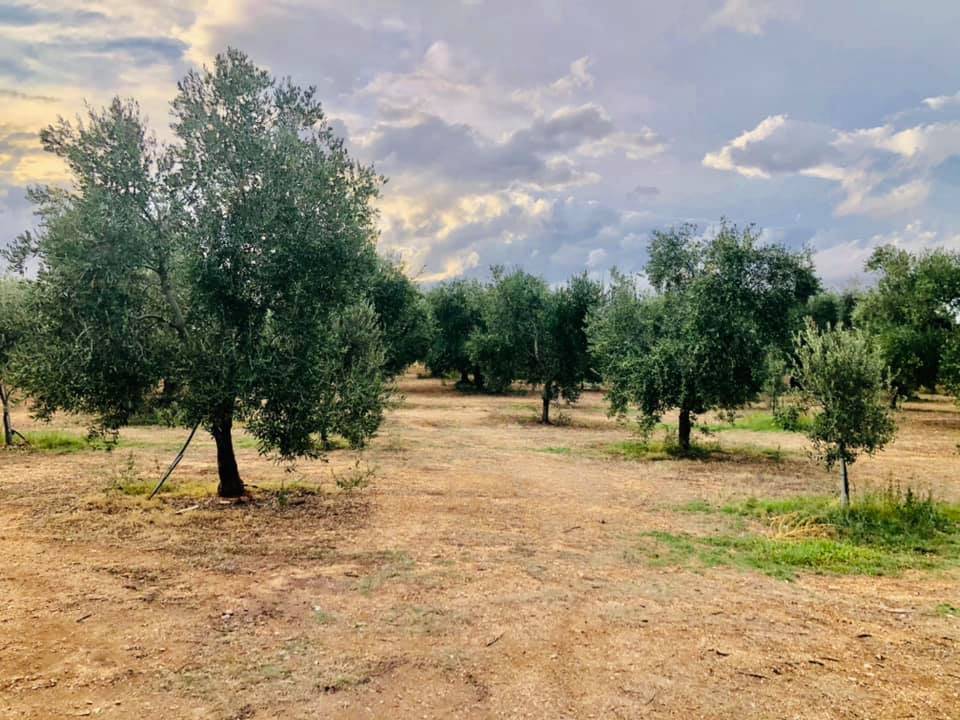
point(176, 461)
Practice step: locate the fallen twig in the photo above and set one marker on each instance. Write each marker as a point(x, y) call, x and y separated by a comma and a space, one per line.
point(494, 640)
point(575, 527)
point(181, 511)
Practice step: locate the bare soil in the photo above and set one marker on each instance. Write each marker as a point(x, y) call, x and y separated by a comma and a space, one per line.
point(487, 571)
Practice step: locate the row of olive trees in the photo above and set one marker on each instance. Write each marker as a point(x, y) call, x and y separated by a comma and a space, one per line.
point(699, 338)
point(515, 329)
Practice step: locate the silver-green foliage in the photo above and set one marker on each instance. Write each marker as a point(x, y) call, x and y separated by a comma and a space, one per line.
point(222, 268)
point(844, 374)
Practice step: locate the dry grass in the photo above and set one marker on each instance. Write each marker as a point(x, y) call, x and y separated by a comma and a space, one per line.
point(485, 572)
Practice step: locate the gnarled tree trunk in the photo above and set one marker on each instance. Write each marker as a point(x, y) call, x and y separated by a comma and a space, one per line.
point(545, 413)
point(231, 486)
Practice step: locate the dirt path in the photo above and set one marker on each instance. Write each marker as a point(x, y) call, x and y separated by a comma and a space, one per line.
point(487, 572)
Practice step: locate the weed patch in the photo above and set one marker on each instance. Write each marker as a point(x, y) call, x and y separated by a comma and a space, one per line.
point(881, 534)
point(760, 422)
point(780, 558)
point(650, 450)
point(58, 441)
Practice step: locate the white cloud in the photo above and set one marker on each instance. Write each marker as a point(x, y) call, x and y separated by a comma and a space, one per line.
point(750, 16)
point(842, 263)
point(941, 101)
point(596, 257)
point(633, 146)
point(578, 79)
point(881, 170)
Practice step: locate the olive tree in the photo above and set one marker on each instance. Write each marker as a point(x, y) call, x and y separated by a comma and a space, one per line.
point(912, 313)
point(536, 335)
point(843, 372)
point(697, 341)
point(456, 312)
point(404, 317)
point(223, 268)
point(14, 325)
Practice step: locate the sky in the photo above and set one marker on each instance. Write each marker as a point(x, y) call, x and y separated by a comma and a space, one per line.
point(554, 134)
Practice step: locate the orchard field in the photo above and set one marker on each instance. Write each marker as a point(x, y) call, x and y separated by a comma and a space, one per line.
point(472, 563)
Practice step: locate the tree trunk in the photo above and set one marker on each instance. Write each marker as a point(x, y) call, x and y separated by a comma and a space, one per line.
point(684, 430)
point(464, 377)
point(545, 413)
point(844, 485)
point(7, 427)
point(231, 486)
point(477, 379)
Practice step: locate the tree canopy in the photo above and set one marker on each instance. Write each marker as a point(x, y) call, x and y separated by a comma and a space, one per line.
point(912, 313)
point(218, 268)
point(698, 340)
point(404, 317)
point(843, 374)
point(456, 308)
point(536, 335)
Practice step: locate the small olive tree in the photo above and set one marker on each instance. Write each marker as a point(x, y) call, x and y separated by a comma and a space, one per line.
point(843, 372)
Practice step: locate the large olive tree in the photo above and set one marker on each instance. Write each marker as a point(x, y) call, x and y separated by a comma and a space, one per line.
point(912, 313)
point(229, 269)
point(698, 341)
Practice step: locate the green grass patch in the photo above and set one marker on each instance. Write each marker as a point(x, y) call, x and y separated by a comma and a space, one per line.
point(780, 558)
point(757, 422)
point(891, 519)
point(555, 450)
point(656, 450)
point(948, 610)
point(881, 534)
point(58, 441)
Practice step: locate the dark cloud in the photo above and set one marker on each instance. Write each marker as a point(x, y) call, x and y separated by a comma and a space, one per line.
point(25, 15)
point(17, 95)
point(534, 154)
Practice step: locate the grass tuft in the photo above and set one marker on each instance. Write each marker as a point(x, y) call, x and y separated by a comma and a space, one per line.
point(556, 450)
point(650, 450)
point(758, 422)
point(58, 441)
point(882, 534)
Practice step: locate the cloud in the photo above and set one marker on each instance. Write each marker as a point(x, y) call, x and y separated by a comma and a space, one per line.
point(539, 154)
point(26, 15)
point(881, 170)
point(941, 101)
point(633, 146)
point(17, 95)
point(646, 191)
point(750, 16)
point(841, 263)
point(776, 145)
point(577, 80)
